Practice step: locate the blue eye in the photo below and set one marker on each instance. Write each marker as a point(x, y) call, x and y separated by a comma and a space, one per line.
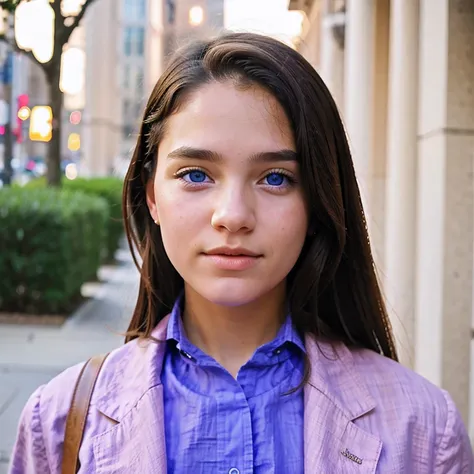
point(275, 179)
point(195, 176)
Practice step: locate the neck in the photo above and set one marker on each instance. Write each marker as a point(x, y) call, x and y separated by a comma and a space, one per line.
point(232, 334)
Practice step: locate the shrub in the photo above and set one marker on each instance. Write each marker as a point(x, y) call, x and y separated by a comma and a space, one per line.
point(50, 244)
point(109, 189)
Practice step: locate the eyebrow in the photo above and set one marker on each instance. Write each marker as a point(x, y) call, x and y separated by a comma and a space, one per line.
point(191, 153)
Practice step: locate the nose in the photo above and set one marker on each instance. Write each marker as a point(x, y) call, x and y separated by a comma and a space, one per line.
point(234, 210)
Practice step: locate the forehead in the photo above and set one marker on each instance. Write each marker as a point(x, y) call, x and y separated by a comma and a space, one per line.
point(224, 118)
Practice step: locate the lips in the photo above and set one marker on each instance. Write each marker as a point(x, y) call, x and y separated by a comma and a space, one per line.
point(232, 259)
point(232, 252)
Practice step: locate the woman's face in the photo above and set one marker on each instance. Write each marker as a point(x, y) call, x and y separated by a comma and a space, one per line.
point(227, 194)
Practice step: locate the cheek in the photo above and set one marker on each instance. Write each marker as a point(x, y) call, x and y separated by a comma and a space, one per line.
point(181, 217)
point(175, 208)
point(289, 222)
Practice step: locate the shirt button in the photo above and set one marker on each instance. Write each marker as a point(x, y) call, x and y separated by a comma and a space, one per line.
point(234, 470)
point(186, 354)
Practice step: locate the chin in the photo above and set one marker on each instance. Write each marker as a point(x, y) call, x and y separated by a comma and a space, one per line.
point(231, 293)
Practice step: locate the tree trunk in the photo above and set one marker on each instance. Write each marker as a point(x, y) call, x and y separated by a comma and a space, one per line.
point(8, 152)
point(53, 159)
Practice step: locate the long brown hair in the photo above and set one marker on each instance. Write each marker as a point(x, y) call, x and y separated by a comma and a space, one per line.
point(332, 290)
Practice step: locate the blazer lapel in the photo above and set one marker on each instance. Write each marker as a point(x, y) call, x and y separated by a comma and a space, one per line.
point(334, 398)
point(133, 399)
point(136, 445)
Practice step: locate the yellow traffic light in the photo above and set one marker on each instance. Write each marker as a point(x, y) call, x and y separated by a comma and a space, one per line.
point(24, 113)
point(74, 142)
point(41, 128)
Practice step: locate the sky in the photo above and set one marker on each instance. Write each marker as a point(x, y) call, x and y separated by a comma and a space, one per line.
point(269, 17)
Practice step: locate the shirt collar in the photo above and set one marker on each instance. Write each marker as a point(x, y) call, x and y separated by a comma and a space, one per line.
point(286, 334)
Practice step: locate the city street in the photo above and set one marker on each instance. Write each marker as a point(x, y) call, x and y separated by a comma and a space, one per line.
point(378, 99)
point(32, 355)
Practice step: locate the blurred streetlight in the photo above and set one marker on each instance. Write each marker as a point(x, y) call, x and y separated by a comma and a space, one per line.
point(196, 16)
point(34, 28)
point(41, 124)
point(71, 7)
point(23, 35)
point(73, 66)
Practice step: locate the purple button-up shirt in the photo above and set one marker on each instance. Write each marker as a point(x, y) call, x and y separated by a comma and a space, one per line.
point(217, 424)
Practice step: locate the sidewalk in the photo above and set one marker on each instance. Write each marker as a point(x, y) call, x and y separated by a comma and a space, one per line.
point(32, 355)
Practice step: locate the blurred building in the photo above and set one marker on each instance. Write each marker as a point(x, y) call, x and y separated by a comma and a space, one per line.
point(101, 121)
point(402, 73)
point(188, 20)
point(125, 57)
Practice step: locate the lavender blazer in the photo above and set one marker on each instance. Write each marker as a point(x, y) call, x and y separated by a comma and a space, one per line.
point(363, 414)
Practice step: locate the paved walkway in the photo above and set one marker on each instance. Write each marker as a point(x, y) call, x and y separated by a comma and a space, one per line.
point(32, 355)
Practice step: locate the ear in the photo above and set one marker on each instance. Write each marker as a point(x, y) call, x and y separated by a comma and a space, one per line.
point(151, 201)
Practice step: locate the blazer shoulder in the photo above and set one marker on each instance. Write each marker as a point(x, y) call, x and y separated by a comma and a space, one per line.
point(420, 406)
point(393, 384)
point(57, 394)
point(42, 425)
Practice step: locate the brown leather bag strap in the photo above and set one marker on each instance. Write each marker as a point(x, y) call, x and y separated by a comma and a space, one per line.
point(77, 416)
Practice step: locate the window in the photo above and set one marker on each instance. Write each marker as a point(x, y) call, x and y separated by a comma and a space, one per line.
point(170, 11)
point(128, 41)
point(128, 9)
point(126, 110)
point(134, 10)
point(141, 9)
point(134, 41)
point(140, 41)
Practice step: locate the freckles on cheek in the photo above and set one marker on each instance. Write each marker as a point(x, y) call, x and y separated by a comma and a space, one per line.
point(179, 219)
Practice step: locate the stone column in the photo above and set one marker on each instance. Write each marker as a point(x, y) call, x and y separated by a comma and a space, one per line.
point(445, 196)
point(331, 54)
point(358, 70)
point(400, 211)
point(379, 131)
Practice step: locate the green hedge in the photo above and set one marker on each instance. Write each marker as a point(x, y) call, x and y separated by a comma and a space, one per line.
point(109, 189)
point(51, 242)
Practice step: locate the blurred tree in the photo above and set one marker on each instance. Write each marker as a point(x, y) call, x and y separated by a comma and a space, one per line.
point(63, 28)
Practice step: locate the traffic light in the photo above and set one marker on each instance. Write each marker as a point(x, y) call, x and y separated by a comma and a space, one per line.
point(75, 117)
point(74, 142)
point(41, 128)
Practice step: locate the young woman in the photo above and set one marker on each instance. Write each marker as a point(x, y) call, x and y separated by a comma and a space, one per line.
point(260, 342)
